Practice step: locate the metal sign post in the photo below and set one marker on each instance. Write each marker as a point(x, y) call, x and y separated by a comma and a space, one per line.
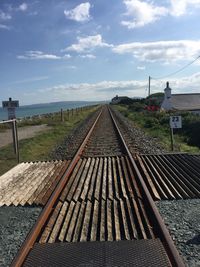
point(175, 123)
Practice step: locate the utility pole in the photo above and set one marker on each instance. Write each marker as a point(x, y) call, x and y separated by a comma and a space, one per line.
point(149, 85)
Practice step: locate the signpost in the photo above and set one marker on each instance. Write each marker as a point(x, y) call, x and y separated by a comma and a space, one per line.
point(175, 123)
point(11, 105)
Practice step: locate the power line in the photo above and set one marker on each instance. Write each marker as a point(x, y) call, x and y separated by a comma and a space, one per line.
point(173, 73)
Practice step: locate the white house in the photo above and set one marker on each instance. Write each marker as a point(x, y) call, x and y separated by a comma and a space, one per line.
point(181, 102)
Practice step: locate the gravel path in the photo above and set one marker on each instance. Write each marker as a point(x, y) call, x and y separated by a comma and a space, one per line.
point(182, 218)
point(23, 133)
point(15, 223)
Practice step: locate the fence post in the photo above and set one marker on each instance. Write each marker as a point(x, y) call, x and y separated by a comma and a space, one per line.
point(15, 139)
point(61, 115)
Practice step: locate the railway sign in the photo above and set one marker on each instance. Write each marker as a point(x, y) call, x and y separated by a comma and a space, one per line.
point(175, 122)
point(10, 105)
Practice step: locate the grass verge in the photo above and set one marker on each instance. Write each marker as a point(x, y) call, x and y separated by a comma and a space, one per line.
point(39, 147)
point(156, 125)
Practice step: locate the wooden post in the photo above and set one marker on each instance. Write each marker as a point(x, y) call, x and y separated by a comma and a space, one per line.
point(149, 86)
point(15, 139)
point(172, 139)
point(61, 115)
point(149, 92)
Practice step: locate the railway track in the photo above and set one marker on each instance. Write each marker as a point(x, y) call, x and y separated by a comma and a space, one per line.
point(101, 197)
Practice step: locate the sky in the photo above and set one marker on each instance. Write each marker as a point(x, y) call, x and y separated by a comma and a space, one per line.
point(75, 50)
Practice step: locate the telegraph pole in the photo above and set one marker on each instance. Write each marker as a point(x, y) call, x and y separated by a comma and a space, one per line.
point(149, 86)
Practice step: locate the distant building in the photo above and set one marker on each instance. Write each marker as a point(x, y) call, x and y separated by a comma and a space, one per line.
point(117, 99)
point(181, 102)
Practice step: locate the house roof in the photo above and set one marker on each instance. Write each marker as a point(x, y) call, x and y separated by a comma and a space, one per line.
point(185, 101)
point(120, 97)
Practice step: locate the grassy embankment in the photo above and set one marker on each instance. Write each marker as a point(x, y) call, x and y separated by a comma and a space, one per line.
point(40, 146)
point(156, 124)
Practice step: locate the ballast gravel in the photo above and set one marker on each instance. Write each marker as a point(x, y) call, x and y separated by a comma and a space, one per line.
point(182, 218)
point(71, 143)
point(136, 139)
point(15, 224)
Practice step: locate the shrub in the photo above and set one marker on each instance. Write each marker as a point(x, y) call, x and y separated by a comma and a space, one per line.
point(137, 106)
point(151, 123)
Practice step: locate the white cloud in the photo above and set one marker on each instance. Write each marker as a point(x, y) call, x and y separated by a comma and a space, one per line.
point(30, 80)
point(4, 16)
point(106, 90)
point(88, 43)
point(71, 67)
point(185, 84)
point(67, 56)
point(90, 56)
point(141, 67)
point(141, 13)
point(96, 91)
point(132, 88)
point(4, 27)
point(180, 7)
point(163, 51)
point(37, 55)
point(80, 13)
point(23, 7)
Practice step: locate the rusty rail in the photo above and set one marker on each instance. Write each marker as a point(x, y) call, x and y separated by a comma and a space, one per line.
point(165, 236)
point(173, 254)
point(33, 234)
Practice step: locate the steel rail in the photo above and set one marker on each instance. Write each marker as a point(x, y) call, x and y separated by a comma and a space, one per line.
point(173, 253)
point(36, 229)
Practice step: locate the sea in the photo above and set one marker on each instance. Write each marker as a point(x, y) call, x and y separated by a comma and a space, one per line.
point(38, 109)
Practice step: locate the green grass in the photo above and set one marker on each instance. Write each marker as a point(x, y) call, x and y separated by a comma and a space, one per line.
point(39, 147)
point(156, 125)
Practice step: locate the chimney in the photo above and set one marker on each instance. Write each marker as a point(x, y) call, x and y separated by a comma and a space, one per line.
point(167, 91)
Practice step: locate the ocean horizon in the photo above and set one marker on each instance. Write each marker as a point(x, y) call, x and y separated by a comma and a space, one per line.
point(38, 109)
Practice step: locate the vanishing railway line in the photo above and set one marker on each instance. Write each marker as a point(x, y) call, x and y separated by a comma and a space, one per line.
point(100, 197)
point(104, 140)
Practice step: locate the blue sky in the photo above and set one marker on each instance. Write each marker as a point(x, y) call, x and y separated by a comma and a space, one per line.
point(92, 50)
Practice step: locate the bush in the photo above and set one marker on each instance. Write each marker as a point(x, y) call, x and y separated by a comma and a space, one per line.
point(137, 106)
point(192, 129)
point(151, 123)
